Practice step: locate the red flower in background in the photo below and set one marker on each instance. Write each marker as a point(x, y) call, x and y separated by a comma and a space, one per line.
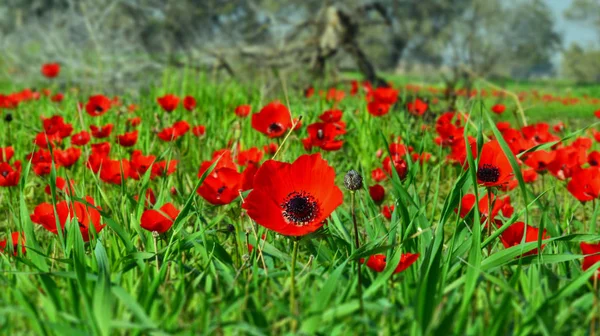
point(189, 103)
point(293, 199)
point(163, 168)
point(98, 105)
point(50, 70)
point(57, 98)
point(16, 238)
point(493, 168)
point(114, 171)
point(174, 132)
point(242, 111)
point(273, 120)
point(128, 139)
point(331, 116)
point(139, 164)
point(585, 184)
point(168, 102)
point(99, 153)
point(6, 153)
point(67, 157)
point(377, 262)
point(377, 193)
point(513, 235)
point(10, 175)
point(80, 139)
point(271, 148)
point(594, 158)
point(159, 220)
point(61, 185)
point(221, 186)
point(134, 122)
point(102, 131)
point(199, 130)
point(498, 108)
point(378, 109)
point(539, 160)
point(417, 107)
point(252, 155)
point(323, 135)
point(85, 215)
point(385, 95)
point(590, 259)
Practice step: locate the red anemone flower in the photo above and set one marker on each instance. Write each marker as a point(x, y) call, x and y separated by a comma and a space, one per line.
point(102, 131)
point(252, 155)
point(80, 139)
point(594, 158)
point(67, 157)
point(61, 185)
point(378, 109)
point(134, 122)
point(417, 107)
point(513, 235)
point(592, 255)
point(242, 111)
point(98, 105)
point(539, 160)
point(6, 153)
point(163, 168)
point(585, 184)
point(16, 238)
point(139, 164)
point(159, 220)
point(10, 175)
point(377, 193)
point(168, 102)
point(377, 262)
point(50, 70)
point(498, 108)
point(85, 215)
point(114, 171)
point(493, 168)
point(221, 186)
point(199, 130)
point(189, 103)
point(293, 199)
point(128, 139)
point(273, 120)
point(331, 116)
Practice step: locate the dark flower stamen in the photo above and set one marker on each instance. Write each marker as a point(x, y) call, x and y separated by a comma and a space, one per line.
point(300, 208)
point(488, 173)
point(275, 128)
point(4, 173)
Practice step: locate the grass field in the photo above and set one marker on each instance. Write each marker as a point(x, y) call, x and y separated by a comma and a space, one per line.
point(218, 269)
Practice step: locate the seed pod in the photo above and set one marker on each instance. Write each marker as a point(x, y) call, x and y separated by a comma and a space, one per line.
point(353, 181)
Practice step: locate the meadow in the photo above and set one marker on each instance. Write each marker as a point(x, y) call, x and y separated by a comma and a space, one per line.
point(214, 207)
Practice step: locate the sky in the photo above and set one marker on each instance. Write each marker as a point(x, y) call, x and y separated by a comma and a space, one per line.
point(571, 31)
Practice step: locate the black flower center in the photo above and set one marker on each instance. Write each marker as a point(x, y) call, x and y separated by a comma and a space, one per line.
point(220, 191)
point(593, 162)
point(99, 108)
point(300, 208)
point(488, 173)
point(4, 173)
point(275, 128)
point(320, 134)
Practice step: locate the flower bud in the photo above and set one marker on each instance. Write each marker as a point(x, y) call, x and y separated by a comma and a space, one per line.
point(353, 180)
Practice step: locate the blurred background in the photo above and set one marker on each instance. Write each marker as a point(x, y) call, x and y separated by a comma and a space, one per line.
point(126, 44)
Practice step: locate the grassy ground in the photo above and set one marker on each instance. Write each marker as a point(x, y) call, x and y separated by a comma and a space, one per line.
point(202, 279)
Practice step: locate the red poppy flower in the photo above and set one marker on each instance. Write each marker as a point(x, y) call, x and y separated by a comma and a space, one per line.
point(243, 110)
point(324, 136)
point(168, 102)
point(590, 259)
point(221, 186)
point(377, 262)
point(597, 113)
point(585, 184)
point(594, 158)
point(80, 139)
point(97, 105)
point(529, 175)
point(44, 140)
point(377, 193)
point(16, 238)
point(273, 120)
point(139, 164)
point(378, 109)
point(163, 168)
point(499, 205)
point(309, 92)
point(271, 148)
point(10, 175)
point(61, 185)
point(102, 131)
point(331, 116)
point(293, 199)
point(539, 160)
point(385, 95)
point(568, 160)
point(199, 130)
point(6, 153)
point(416, 107)
point(189, 103)
point(539, 133)
point(498, 108)
point(559, 127)
point(50, 70)
point(398, 163)
point(134, 122)
point(57, 98)
point(493, 168)
point(248, 175)
point(56, 125)
point(67, 157)
point(149, 198)
point(85, 215)
point(114, 171)
point(513, 235)
point(100, 152)
point(178, 129)
point(159, 220)
point(378, 175)
point(127, 139)
point(252, 155)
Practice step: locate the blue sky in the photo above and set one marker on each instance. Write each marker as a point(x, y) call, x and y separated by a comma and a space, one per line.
point(571, 31)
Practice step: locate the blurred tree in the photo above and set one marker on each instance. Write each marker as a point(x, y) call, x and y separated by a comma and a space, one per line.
point(582, 65)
